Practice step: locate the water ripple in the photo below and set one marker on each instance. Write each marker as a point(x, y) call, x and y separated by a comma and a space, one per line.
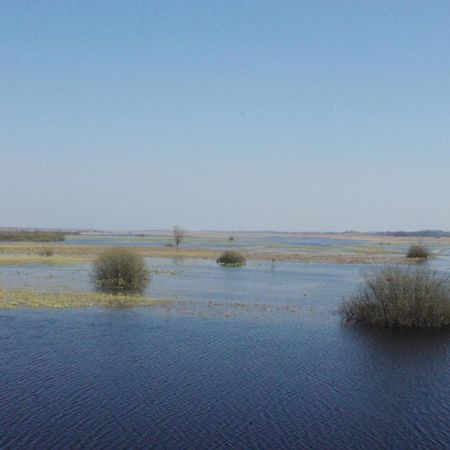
point(136, 379)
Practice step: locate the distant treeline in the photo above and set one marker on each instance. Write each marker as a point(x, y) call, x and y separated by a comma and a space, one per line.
point(422, 233)
point(34, 236)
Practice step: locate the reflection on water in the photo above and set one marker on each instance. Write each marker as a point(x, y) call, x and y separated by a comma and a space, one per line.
point(138, 379)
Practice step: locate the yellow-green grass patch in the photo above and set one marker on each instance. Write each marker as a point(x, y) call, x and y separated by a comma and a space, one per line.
point(58, 300)
point(21, 260)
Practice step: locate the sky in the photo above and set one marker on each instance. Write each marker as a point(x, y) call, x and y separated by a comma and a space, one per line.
point(225, 115)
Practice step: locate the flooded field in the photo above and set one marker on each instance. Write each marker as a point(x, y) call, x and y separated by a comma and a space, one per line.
point(249, 241)
point(199, 281)
point(260, 242)
point(250, 357)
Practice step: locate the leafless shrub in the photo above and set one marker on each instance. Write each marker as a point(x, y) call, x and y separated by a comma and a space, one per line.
point(393, 297)
point(418, 251)
point(178, 235)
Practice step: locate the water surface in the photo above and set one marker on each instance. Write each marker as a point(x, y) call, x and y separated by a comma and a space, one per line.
point(141, 378)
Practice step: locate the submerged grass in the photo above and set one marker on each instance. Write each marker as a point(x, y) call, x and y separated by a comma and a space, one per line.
point(52, 300)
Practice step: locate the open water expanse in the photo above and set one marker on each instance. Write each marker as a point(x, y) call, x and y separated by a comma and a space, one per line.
point(251, 357)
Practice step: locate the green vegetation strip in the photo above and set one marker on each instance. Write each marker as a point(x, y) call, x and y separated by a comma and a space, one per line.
point(33, 236)
point(51, 300)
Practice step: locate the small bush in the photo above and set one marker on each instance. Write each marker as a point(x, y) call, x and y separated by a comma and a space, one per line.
point(46, 252)
point(396, 297)
point(230, 258)
point(418, 251)
point(119, 270)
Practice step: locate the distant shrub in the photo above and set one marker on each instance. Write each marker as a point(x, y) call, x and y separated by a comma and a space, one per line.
point(395, 297)
point(418, 251)
point(231, 238)
point(119, 270)
point(231, 258)
point(169, 244)
point(47, 251)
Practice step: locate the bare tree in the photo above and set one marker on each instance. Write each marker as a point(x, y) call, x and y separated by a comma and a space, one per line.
point(178, 235)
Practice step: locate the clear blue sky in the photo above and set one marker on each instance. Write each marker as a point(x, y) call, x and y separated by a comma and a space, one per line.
point(256, 115)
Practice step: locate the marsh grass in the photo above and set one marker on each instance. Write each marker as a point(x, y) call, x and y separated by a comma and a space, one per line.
point(120, 270)
point(404, 298)
point(231, 258)
point(50, 300)
point(418, 251)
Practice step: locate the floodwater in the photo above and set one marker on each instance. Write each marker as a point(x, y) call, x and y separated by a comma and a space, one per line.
point(261, 242)
point(196, 280)
point(250, 241)
point(281, 372)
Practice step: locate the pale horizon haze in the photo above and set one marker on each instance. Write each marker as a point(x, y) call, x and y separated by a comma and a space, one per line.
point(258, 115)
